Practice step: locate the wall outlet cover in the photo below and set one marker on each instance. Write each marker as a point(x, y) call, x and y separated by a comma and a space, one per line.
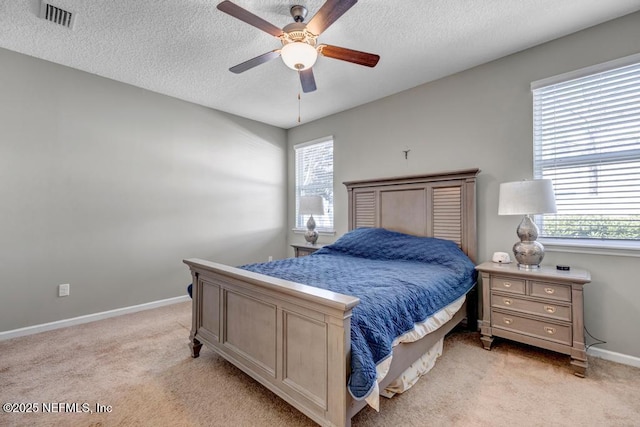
point(63, 290)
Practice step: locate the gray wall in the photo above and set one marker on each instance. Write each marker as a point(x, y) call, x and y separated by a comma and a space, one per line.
point(482, 118)
point(108, 187)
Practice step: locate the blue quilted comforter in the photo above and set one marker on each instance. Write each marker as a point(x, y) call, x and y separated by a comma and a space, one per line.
point(400, 280)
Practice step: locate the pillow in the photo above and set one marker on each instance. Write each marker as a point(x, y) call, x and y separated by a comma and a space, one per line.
point(383, 244)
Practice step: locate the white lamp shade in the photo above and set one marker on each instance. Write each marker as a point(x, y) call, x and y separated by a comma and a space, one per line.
point(311, 205)
point(298, 55)
point(527, 197)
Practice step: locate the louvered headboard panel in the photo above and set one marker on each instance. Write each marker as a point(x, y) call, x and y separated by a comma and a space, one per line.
point(436, 205)
point(447, 213)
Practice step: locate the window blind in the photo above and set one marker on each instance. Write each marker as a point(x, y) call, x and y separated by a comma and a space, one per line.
point(587, 141)
point(314, 177)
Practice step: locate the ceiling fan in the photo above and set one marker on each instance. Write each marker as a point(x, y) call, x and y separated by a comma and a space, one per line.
point(299, 48)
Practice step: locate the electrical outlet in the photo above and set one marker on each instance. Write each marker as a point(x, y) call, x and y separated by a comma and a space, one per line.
point(270, 258)
point(63, 290)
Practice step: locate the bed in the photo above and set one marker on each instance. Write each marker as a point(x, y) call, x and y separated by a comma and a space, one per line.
point(295, 339)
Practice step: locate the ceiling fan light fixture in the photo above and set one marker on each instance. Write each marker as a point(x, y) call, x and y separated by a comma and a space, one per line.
point(299, 55)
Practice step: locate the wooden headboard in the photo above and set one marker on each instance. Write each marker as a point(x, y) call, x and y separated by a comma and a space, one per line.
point(439, 205)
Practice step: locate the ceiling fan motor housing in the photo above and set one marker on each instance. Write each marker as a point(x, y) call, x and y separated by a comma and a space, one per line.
point(297, 32)
point(298, 13)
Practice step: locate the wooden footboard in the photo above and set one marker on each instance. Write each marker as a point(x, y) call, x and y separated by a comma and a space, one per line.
point(292, 338)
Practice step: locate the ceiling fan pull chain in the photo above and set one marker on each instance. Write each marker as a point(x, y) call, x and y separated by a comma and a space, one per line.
point(301, 89)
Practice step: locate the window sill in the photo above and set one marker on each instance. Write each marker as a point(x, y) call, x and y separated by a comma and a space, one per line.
point(321, 232)
point(615, 248)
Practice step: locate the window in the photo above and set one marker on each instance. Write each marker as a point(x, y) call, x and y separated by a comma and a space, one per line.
point(314, 177)
point(587, 140)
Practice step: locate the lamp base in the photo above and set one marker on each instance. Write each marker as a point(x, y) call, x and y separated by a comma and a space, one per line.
point(528, 252)
point(311, 235)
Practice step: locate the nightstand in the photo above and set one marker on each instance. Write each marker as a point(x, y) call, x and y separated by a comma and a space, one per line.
point(304, 249)
point(542, 307)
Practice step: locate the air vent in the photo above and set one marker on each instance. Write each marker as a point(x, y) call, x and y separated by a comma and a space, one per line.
point(57, 15)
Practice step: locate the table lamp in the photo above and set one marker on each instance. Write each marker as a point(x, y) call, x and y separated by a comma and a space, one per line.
point(311, 205)
point(527, 198)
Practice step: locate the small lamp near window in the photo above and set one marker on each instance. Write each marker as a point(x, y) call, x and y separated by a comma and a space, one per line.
point(311, 205)
point(527, 198)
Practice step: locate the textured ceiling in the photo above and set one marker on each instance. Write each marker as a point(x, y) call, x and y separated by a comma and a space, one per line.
point(184, 48)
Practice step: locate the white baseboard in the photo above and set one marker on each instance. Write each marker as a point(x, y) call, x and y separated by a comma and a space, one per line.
point(30, 330)
point(625, 359)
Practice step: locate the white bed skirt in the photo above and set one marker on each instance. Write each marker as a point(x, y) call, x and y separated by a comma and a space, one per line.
point(420, 366)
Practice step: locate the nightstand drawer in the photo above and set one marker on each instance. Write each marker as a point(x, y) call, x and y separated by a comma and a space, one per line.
point(508, 284)
point(546, 309)
point(304, 252)
point(535, 328)
point(551, 291)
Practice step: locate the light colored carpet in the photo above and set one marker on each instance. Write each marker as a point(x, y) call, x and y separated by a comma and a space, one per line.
point(140, 364)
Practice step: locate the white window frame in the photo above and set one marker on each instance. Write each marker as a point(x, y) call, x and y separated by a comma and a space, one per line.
point(597, 246)
point(328, 193)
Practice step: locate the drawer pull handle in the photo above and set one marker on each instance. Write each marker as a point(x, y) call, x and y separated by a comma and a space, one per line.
point(507, 301)
point(549, 309)
point(550, 291)
point(507, 284)
point(507, 320)
point(550, 330)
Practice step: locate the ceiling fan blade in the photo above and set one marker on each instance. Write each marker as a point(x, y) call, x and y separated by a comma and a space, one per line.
point(349, 55)
point(248, 17)
point(254, 62)
point(307, 80)
point(328, 14)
